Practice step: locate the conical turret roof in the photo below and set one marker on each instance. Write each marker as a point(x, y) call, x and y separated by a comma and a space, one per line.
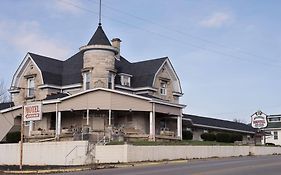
point(99, 38)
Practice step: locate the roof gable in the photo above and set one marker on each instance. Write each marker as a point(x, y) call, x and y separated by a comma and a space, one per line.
point(143, 72)
point(51, 68)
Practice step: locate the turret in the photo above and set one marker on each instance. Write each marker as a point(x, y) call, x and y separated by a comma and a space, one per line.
point(99, 62)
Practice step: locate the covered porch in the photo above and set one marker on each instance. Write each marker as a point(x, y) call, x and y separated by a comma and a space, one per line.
point(103, 115)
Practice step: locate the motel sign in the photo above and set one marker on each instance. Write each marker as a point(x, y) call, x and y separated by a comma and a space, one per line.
point(32, 112)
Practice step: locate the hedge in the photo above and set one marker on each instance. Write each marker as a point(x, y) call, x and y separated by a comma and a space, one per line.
point(13, 137)
point(208, 137)
point(187, 135)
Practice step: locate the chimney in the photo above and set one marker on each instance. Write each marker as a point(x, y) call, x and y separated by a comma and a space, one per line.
point(116, 43)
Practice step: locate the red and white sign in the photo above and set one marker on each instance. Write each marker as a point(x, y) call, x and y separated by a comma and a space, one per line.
point(32, 112)
point(259, 120)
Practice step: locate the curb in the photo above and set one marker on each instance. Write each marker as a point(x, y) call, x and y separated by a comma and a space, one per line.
point(46, 171)
point(107, 166)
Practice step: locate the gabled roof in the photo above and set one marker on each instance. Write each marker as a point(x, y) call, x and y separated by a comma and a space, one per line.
point(206, 122)
point(143, 72)
point(6, 105)
point(51, 68)
point(68, 72)
point(99, 38)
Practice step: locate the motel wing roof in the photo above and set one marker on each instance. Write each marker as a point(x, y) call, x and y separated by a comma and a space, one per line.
point(218, 124)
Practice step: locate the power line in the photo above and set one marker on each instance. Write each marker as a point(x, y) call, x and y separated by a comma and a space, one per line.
point(174, 39)
point(184, 33)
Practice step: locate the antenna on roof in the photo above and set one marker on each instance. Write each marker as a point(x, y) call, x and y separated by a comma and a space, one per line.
point(100, 14)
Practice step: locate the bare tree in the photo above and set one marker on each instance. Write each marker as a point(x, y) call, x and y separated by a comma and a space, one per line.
point(236, 120)
point(4, 97)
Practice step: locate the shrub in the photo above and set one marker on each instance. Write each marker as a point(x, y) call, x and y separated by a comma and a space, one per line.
point(187, 135)
point(13, 137)
point(236, 137)
point(208, 137)
point(223, 137)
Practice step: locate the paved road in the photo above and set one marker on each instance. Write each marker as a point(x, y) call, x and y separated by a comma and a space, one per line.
point(260, 165)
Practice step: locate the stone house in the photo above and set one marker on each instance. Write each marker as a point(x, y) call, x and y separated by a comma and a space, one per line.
point(96, 94)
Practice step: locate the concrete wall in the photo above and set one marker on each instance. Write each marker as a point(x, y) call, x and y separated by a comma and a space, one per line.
point(79, 153)
point(48, 153)
point(129, 153)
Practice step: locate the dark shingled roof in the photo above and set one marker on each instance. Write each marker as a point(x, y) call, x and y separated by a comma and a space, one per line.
point(51, 68)
point(6, 105)
point(56, 72)
point(56, 96)
point(99, 38)
point(143, 72)
point(211, 122)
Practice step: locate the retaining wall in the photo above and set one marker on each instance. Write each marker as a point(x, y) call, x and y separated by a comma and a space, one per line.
point(77, 153)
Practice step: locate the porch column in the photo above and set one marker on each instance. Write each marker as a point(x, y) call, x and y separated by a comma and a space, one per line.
point(179, 126)
point(58, 123)
point(152, 123)
point(88, 112)
point(30, 128)
point(109, 117)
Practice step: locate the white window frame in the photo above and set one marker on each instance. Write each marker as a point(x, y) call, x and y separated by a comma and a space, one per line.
point(125, 80)
point(275, 135)
point(87, 80)
point(163, 87)
point(30, 87)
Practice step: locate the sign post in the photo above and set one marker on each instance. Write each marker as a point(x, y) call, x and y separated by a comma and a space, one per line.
point(30, 112)
point(259, 121)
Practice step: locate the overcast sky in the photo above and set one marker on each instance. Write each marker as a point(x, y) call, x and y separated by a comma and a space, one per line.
point(226, 53)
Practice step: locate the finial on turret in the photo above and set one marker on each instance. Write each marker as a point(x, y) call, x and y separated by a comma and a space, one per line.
point(100, 14)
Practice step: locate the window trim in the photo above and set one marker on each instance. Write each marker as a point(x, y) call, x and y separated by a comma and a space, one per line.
point(163, 89)
point(87, 80)
point(30, 90)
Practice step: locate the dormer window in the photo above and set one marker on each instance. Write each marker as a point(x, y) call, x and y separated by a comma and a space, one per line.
point(125, 79)
point(87, 80)
point(163, 87)
point(30, 87)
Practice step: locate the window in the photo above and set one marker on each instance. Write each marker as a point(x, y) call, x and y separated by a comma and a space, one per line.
point(163, 88)
point(125, 80)
point(30, 87)
point(110, 80)
point(87, 80)
point(275, 135)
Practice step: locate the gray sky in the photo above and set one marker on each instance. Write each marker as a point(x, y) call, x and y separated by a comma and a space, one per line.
point(226, 53)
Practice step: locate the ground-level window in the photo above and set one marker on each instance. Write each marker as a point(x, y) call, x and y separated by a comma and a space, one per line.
point(30, 87)
point(275, 135)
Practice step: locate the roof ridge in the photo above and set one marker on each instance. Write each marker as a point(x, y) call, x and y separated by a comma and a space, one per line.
point(148, 60)
point(214, 118)
point(45, 56)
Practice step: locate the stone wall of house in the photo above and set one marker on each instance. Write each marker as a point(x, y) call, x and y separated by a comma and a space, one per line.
point(99, 63)
point(30, 71)
point(165, 74)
